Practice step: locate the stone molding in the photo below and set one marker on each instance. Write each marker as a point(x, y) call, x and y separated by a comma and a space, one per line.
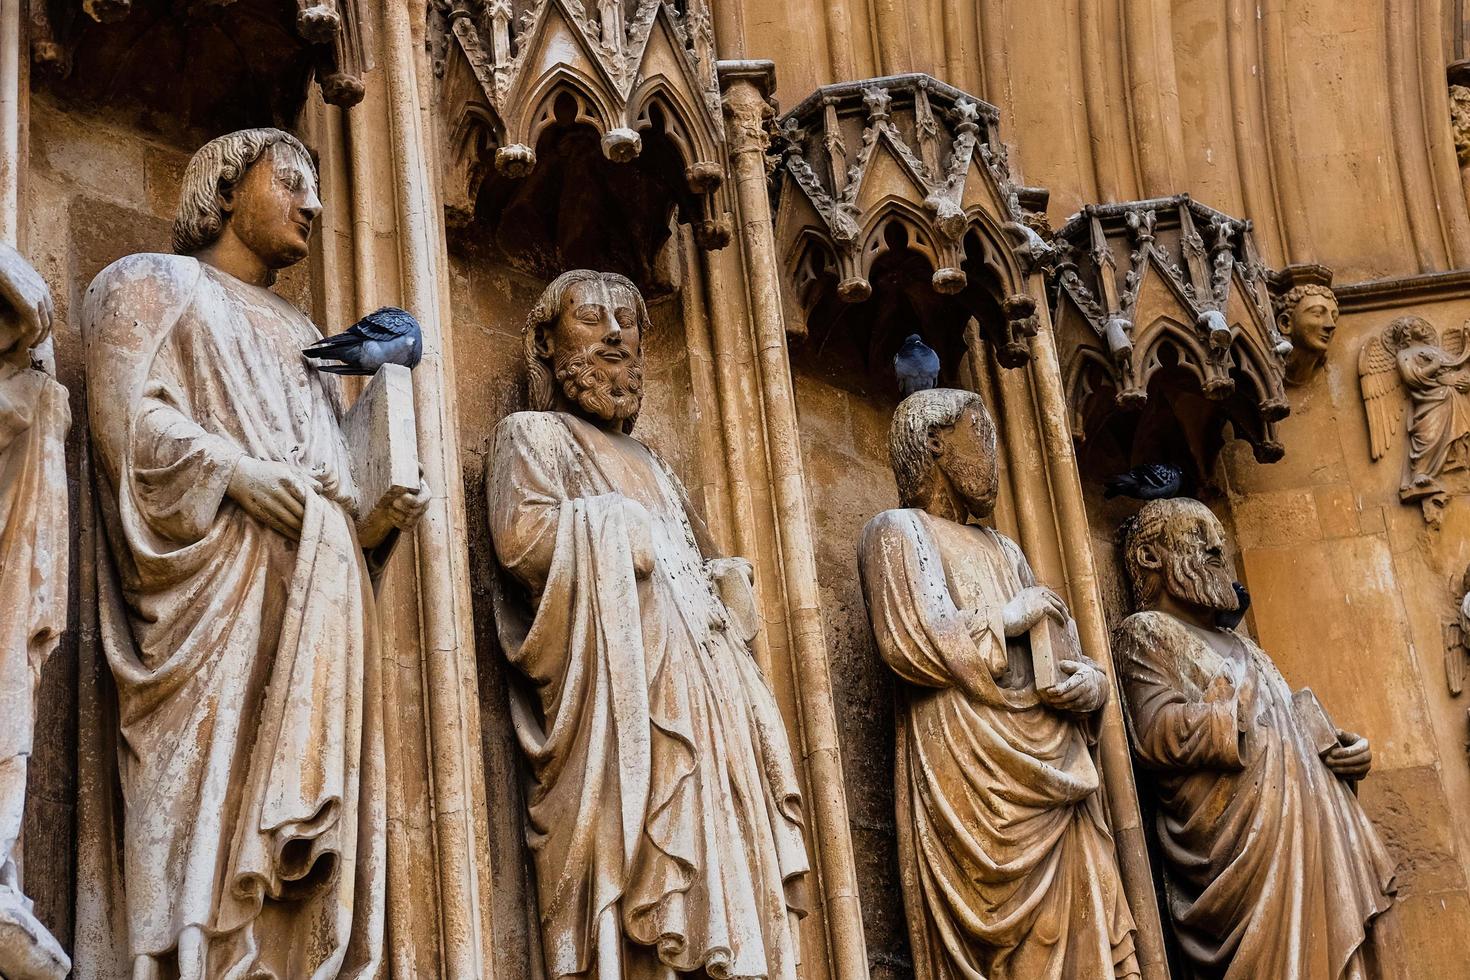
point(1387, 294)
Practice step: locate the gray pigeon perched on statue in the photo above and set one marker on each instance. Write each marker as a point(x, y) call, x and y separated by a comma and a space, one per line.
point(916, 366)
point(385, 336)
point(1148, 481)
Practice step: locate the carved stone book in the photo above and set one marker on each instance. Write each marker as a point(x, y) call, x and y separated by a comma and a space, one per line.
point(383, 443)
point(1051, 643)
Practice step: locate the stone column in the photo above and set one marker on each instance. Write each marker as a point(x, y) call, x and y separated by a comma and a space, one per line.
point(440, 541)
point(746, 86)
point(1076, 542)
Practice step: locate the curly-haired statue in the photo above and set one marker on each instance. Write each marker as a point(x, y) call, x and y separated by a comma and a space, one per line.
point(1307, 316)
point(1272, 867)
point(1004, 852)
point(664, 813)
point(238, 613)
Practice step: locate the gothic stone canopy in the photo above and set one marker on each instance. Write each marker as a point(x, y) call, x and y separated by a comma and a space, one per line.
point(1168, 287)
point(872, 167)
point(513, 70)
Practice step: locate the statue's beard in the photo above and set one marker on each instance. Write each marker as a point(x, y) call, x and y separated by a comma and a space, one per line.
point(608, 389)
point(1194, 580)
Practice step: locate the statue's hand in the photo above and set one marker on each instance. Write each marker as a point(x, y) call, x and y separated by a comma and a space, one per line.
point(273, 493)
point(25, 293)
point(406, 511)
point(1083, 691)
point(1029, 605)
point(1351, 759)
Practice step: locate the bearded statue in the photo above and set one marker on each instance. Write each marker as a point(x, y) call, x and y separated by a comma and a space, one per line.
point(1273, 869)
point(664, 814)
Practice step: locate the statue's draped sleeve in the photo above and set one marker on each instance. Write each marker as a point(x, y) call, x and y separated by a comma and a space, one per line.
point(921, 634)
point(1174, 726)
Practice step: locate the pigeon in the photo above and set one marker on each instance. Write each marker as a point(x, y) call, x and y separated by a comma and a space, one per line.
point(916, 366)
point(385, 336)
point(1228, 619)
point(1150, 481)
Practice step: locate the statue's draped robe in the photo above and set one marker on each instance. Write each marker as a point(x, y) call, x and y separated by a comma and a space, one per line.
point(1273, 867)
point(1007, 864)
point(664, 813)
point(1439, 419)
point(246, 665)
point(34, 418)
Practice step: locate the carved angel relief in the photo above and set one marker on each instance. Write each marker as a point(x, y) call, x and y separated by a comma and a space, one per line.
point(1409, 358)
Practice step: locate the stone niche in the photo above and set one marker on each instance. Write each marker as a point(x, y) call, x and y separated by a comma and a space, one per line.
point(212, 67)
point(579, 136)
point(897, 213)
point(110, 126)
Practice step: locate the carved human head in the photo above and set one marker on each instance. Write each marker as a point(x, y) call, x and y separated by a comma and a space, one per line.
point(1177, 546)
point(945, 434)
point(261, 185)
point(1308, 316)
point(583, 346)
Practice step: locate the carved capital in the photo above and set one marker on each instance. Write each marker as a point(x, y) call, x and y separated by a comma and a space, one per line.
point(1460, 121)
point(746, 98)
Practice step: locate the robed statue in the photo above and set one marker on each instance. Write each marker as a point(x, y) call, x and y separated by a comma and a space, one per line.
point(1006, 860)
point(237, 608)
point(34, 532)
point(663, 811)
point(1271, 866)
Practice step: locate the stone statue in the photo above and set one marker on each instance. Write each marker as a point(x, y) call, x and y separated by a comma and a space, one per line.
point(1307, 316)
point(664, 812)
point(237, 611)
point(34, 418)
point(1273, 868)
point(1410, 355)
point(1006, 860)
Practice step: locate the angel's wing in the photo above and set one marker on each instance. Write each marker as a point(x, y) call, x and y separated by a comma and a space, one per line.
point(1454, 339)
point(1383, 401)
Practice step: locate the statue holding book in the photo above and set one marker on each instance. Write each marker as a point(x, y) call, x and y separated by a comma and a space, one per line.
point(1273, 868)
point(1006, 860)
point(237, 606)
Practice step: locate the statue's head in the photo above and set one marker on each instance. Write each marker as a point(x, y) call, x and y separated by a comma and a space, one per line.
point(584, 348)
point(944, 435)
point(259, 185)
point(1177, 547)
point(1308, 317)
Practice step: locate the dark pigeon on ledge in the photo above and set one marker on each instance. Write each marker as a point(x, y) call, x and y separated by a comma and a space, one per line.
point(385, 336)
point(1149, 481)
point(1228, 619)
point(916, 366)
